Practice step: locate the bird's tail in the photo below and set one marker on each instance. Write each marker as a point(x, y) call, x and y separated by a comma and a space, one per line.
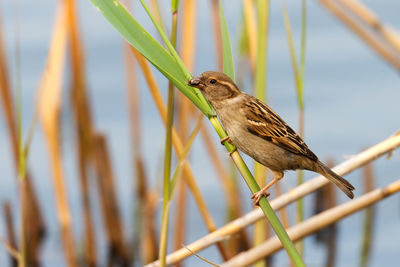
point(339, 181)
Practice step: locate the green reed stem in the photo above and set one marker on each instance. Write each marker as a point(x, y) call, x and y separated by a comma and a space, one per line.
point(168, 152)
point(21, 150)
point(300, 97)
point(167, 42)
point(299, 83)
point(174, 54)
point(183, 156)
point(303, 43)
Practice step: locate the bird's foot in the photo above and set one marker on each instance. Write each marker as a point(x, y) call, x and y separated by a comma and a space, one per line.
point(257, 196)
point(226, 138)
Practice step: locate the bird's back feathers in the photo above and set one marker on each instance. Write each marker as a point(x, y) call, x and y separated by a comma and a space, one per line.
point(265, 123)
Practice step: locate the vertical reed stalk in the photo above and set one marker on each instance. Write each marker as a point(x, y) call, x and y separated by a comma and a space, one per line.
point(156, 11)
point(369, 218)
point(35, 230)
point(325, 199)
point(49, 110)
point(7, 100)
point(251, 27)
point(299, 83)
point(144, 236)
point(117, 253)
point(168, 149)
point(20, 145)
point(10, 230)
point(185, 109)
point(260, 171)
point(217, 32)
point(21, 163)
point(83, 128)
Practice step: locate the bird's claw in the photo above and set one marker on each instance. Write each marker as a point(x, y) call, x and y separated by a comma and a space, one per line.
point(226, 138)
point(257, 196)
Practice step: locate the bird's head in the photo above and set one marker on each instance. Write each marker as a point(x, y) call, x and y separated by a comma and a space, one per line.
point(215, 86)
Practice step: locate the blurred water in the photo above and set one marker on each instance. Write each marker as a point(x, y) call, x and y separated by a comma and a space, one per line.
point(351, 102)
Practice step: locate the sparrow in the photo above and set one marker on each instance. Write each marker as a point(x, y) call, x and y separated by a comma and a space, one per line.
point(255, 129)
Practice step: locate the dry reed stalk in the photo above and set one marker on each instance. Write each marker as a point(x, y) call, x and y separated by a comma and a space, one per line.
point(84, 130)
point(261, 228)
point(217, 33)
point(379, 44)
point(140, 180)
point(147, 205)
point(283, 213)
point(189, 36)
point(188, 44)
point(133, 99)
point(331, 240)
point(117, 251)
point(369, 218)
point(143, 244)
point(7, 99)
point(49, 110)
point(12, 242)
point(23, 241)
point(306, 188)
point(156, 11)
point(373, 21)
point(149, 234)
point(313, 224)
point(260, 231)
point(15, 254)
point(35, 230)
point(325, 198)
point(178, 146)
point(251, 31)
point(180, 216)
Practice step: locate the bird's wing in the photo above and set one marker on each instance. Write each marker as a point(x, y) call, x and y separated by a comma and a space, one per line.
point(265, 123)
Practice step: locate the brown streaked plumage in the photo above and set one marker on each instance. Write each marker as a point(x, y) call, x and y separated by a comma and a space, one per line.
point(259, 132)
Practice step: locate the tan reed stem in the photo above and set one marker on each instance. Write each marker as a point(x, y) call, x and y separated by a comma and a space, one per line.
point(313, 224)
point(83, 128)
point(366, 15)
point(379, 44)
point(49, 110)
point(11, 242)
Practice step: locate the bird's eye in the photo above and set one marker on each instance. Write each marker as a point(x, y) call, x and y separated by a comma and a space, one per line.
point(213, 81)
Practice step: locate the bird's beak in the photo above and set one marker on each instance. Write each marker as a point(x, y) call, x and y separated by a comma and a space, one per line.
point(195, 82)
